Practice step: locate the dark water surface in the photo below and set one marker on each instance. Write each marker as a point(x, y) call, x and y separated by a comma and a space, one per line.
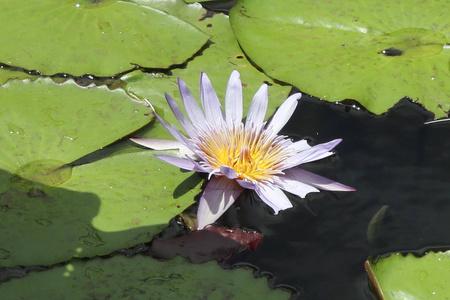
point(400, 168)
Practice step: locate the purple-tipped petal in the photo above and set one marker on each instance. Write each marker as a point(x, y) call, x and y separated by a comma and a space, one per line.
point(184, 122)
point(191, 106)
point(274, 197)
point(177, 162)
point(284, 113)
point(217, 197)
point(297, 174)
point(295, 186)
point(198, 167)
point(314, 153)
point(258, 107)
point(210, 102)
point(175, 133)
point(233, 99)
point(228, 172)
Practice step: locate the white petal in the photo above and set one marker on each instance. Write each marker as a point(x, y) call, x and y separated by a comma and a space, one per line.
point(233, 99)
point(156, 144)
point(191, 106)
point(217, 197)
point(295, 186)
point(300, 146)
point(314, 153)
point(258, 107)
point(283, 113)
point(210, 102)
point(184, 122)
point(297, 174)
point(274, 197)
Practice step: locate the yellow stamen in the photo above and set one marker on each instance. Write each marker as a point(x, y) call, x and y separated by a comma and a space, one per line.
point(253, 153)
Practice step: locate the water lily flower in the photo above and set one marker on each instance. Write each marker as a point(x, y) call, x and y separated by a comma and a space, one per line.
point(240, 155)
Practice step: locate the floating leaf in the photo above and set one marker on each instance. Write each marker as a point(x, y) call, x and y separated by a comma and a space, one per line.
point(42, 120)
point(97, 37)
point(375, 53)
point(399, 277)
point(45, 126)
point(140, 278)
point(109, 204)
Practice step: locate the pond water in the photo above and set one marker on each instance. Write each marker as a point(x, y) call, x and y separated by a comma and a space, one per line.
point(399, 166)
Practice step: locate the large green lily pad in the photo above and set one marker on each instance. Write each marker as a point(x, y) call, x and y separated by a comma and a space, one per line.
point(140, 278)
point(109, 204)
point(98, 37)
point(409, 277)
point(369, 51)
point(43, 121)
point(218, 60)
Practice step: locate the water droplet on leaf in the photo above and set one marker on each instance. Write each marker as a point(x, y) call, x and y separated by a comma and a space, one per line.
point(14, 129)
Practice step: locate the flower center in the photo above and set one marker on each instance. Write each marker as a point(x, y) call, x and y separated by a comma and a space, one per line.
point(254, 153)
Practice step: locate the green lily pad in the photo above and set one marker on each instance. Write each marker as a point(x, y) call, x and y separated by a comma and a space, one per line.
point(399, 277)
point(140, 277)
point(106, 205)
point(217, 60)
point(45, 126)
point(361, 50)
point(97, 37)
point(43, 121)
